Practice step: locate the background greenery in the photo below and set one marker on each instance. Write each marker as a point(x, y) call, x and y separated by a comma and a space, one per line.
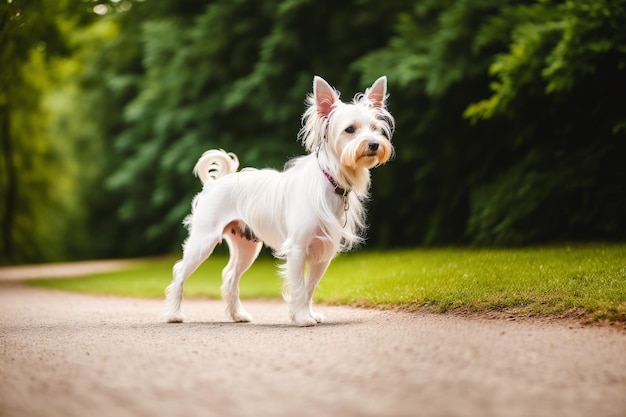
point(511, 127)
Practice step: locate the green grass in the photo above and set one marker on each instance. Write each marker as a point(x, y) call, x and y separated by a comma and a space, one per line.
point(589, 280)
point(149, 279)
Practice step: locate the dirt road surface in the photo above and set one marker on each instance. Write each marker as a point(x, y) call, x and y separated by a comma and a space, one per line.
point(64, 354)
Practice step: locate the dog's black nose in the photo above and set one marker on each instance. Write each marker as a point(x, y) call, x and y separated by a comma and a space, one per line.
point(373, 146)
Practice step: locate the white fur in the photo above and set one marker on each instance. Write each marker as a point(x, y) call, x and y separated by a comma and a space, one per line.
point(296, 212)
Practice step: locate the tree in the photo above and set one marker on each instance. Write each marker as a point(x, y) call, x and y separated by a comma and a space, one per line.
point(558, 87)
point(37, 180)
point(540, 159)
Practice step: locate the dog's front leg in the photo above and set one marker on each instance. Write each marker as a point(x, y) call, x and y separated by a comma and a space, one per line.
point(314, 275)
point(296, 290)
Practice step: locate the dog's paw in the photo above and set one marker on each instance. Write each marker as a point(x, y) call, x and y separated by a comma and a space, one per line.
point(304, 319)
point(237, 313)
point(319, 317)
point(174, 318)
point(241, 316)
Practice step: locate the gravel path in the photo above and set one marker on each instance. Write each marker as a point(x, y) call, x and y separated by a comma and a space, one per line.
point(64, 354)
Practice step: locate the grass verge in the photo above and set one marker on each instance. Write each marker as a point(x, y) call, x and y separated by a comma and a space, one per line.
point(588, 279)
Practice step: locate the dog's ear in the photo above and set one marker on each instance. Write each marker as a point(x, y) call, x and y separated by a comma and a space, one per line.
point(325, 96)
point(377, 93)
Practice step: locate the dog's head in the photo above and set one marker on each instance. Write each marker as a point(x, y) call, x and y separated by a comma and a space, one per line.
point(356, 134)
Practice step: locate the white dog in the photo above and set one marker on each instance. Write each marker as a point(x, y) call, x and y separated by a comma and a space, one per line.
point(306, 214)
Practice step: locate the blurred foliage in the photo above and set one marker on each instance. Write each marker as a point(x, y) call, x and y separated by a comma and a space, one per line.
point(510, 121)
point(39, 175)
point(517, 114)
point(559, 86)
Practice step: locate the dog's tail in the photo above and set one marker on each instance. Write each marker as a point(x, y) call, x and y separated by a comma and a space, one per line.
point(214, 164)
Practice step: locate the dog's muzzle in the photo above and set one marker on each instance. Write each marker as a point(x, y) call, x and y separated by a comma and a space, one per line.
point(372, 148)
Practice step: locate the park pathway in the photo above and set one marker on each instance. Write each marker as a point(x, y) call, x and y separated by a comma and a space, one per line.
point(65, 354)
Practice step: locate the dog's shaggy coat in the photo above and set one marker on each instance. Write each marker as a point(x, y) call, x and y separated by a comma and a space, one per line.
point(307, 213)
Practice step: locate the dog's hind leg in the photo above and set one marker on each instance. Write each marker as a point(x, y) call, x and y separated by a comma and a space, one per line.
point(243, 252)
point(196, 250)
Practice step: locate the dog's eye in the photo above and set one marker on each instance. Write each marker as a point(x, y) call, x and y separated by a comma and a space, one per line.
point(350, 129)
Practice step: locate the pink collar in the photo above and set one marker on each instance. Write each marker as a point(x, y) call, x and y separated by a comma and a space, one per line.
point(337, 189)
